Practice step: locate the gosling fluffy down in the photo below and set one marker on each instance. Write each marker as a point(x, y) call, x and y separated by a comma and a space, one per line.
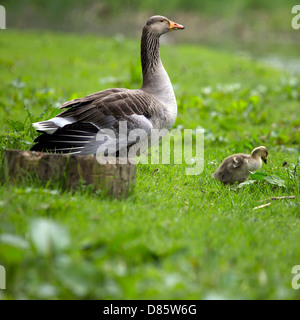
point(238, 166)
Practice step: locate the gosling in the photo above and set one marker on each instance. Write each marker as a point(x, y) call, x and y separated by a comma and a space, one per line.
point(238, 166)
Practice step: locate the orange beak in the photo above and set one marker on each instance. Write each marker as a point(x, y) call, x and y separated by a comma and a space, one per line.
point(175, 26)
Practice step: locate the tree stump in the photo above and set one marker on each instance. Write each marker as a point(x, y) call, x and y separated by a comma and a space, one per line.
point(69, 171)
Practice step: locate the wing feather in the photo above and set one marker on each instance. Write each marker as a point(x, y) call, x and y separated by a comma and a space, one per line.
point(101, 110)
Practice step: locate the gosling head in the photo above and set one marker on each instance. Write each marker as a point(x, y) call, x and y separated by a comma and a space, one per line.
point(260, 152)
point(159, 25)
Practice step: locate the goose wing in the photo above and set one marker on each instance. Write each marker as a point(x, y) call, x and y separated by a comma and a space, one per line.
point(236, 161)
point(74, 130)
point(98, 108)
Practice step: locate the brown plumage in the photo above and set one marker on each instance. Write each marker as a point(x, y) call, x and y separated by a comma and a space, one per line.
point(153, 106)
point(119, 103)
point(238, 166)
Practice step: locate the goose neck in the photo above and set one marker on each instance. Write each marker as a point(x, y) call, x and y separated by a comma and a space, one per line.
point(150, 58)
point(155, 78)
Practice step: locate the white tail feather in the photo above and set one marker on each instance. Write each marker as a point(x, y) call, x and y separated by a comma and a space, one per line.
point(51, 125)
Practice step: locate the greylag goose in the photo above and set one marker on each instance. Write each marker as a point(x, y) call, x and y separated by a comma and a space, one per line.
point(153, 106)
point(238, 166)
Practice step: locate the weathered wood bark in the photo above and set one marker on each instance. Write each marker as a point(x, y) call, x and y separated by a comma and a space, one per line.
point(69, 171)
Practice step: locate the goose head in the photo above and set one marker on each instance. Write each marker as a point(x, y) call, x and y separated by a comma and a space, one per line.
point(158, 25)
point(260, 152)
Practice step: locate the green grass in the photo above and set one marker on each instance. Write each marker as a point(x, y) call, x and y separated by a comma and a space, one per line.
point(176, 236)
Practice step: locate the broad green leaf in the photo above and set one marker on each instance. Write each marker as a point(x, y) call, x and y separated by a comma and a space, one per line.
point(239, 186)
point(14, 241)
point(12, 248)
point(48, 236)
point(258, 176)
point(272, 179)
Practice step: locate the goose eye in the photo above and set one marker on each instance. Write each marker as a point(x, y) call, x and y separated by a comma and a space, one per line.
point(161, 20)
